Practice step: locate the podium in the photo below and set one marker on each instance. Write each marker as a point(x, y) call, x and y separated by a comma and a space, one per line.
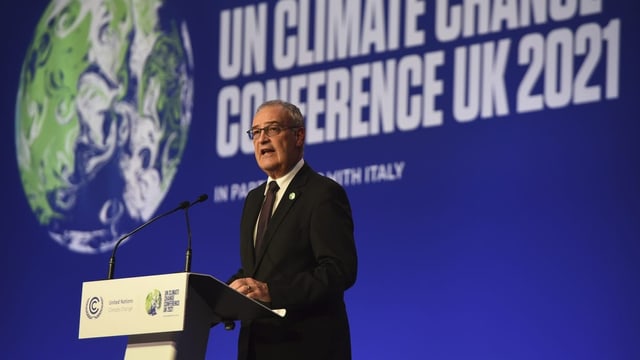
point(164, 316)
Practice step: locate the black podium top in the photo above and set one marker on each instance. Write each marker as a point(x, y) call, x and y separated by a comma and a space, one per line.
point(228, 304)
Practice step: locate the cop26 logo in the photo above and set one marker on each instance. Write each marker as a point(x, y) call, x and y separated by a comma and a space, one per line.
point(153, 302)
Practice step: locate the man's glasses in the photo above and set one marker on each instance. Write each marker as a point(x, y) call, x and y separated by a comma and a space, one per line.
point(269, 130)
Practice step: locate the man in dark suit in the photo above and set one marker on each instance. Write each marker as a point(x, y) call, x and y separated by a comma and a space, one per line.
point(307, 256)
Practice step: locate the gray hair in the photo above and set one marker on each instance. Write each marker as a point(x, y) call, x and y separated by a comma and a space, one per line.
point(293, 112)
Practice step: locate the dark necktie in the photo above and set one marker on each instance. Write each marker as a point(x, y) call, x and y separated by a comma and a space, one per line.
point(265, 213)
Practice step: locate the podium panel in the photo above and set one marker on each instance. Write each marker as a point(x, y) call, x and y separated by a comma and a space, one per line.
point(139, 305)
point(164, 316)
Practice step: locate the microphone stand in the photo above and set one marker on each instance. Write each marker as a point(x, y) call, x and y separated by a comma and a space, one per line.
point(112, 260)
point(187, 266)
point(201, 198)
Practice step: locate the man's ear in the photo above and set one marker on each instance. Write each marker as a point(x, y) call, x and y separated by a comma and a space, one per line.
point(300, 137)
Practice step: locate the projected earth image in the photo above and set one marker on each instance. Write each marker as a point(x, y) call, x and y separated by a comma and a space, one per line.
point(102, 117)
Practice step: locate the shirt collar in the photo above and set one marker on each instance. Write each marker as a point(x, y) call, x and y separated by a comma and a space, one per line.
point(284, 181)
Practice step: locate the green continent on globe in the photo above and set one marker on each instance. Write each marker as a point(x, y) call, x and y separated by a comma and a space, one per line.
point(153, 302)
point(102, 117)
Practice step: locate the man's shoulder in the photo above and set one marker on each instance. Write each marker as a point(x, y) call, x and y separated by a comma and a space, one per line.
point(321, 185)
point(257, 191)
point(317, 178)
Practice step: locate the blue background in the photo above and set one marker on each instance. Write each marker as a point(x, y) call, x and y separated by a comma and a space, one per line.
point(513, 237)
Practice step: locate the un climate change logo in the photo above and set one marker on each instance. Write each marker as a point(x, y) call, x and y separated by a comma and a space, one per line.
point(102, 117)
point(93, 307)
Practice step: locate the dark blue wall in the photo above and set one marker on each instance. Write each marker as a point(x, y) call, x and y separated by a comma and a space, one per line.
point(507, 236)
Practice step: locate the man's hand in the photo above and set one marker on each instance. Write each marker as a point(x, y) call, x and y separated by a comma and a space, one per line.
point(252, 288)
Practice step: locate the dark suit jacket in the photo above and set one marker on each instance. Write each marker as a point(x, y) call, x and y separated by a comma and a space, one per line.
point(308, 259)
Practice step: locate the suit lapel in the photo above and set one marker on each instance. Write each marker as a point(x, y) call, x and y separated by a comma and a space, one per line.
point(254, 203)
point(291, 195)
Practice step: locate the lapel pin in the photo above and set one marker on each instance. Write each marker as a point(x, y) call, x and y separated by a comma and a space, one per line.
point(292, 196)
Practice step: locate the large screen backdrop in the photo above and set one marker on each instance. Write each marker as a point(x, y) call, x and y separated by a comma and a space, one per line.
point(489, 148)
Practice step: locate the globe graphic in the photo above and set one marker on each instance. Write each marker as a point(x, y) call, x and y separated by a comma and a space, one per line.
point(153, 302)
point(102, 117)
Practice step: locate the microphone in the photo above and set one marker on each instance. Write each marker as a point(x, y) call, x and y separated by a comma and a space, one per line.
point(112, 260)
point(201, 198)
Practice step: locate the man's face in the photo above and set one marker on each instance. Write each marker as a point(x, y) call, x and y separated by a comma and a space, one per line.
point(278, 154)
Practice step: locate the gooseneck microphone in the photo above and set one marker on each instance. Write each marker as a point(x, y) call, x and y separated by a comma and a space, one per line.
point(112, 261)
point(201, 198)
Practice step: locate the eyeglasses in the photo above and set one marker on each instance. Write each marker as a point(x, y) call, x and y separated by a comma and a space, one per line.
point(269, 130)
